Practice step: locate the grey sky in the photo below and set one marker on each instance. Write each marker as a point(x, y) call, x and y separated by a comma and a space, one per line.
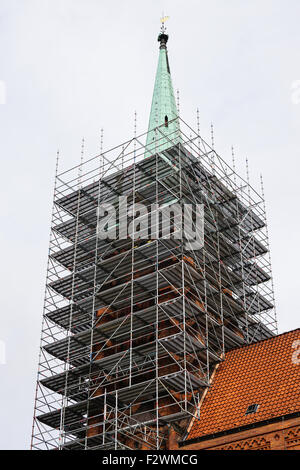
point(71, 67)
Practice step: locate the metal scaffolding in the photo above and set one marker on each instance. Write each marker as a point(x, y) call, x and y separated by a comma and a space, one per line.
point(133, 328)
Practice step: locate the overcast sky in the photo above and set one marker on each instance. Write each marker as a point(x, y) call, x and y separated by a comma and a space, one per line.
point(70, 67)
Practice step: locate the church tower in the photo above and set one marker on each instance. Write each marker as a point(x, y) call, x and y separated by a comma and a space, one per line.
point(135, 323)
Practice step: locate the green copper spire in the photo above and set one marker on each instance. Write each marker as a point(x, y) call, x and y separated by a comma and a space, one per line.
point(163, 108)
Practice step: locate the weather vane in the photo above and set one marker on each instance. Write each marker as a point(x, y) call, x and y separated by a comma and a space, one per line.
point(163, 20)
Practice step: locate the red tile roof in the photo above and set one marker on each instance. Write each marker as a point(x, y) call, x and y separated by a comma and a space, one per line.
point(266, 373)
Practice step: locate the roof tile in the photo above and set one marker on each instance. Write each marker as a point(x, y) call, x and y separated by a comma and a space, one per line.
point(262, 373)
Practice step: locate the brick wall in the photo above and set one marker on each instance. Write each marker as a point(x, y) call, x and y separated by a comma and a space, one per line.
point(283, 435)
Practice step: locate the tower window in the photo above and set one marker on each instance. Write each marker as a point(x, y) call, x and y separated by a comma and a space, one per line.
point(166, 121)
point(252, 409)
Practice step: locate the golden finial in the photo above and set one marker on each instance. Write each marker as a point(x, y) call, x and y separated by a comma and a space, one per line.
point(163, 20)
